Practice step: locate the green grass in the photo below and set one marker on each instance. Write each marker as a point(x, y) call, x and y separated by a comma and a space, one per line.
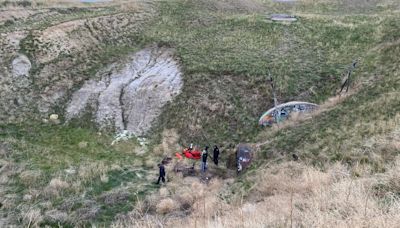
point(79, 67)
point(56, 15)
point(342, 133)
point(53, 147)
point(226, 57)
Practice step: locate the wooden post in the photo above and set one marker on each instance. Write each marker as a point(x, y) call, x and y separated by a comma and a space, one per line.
point(346, 83)
point(277, 114)
point(271, 81)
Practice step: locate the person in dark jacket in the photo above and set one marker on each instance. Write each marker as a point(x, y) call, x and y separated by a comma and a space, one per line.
point(216, 155)
point(204, 156)
point(162, 173)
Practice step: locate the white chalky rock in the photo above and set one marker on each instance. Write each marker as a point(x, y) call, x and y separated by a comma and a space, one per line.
point(21, 66)
point(131, 98)
point(53, 117)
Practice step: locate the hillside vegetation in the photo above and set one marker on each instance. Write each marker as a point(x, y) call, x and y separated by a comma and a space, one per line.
point(69, 174)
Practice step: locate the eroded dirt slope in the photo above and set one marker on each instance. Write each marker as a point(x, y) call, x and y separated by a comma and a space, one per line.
point(44, 63)
point(131, 98)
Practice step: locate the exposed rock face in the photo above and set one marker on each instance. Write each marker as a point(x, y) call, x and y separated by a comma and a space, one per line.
point(21, 66)
point(63, 45)
point(131, 98)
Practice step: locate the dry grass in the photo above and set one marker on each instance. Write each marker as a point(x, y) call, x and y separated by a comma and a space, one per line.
point(185, 199)
point(91, 170)
point(30, 177)
point(56, 187)
point(180, 197)
point(115, 197)
point(56, 3)
point(129, 5)
point(23, 4)
point(151, 163)
point(166, 205)
point(7, 169)
point(32, 217)
point(287, 194)
point(163, 192)
point(235, 5)
point(56, 216)
point(169, 143)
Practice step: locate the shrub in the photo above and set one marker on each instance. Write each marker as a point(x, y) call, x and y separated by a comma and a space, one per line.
point(56, 186)
point(30, 177)
point(166, 206)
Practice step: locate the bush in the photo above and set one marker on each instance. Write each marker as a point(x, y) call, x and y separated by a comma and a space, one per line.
point(166, 206)
point(185, 200)
point(30, 177)
point(56, 186)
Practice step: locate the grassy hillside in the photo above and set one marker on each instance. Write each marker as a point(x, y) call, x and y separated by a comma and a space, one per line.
point(71, 175)
point(372, 112)
point(227, 53)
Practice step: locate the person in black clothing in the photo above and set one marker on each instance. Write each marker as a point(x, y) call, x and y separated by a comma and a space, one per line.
point(204, 156)
point(162, 173)
point(216, 155)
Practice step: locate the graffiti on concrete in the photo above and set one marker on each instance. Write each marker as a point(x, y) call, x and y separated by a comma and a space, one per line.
point(244, 156)
point(283, 111)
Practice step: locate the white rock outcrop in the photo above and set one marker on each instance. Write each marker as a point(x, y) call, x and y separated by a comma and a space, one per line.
point(131, 98)
point(21, 66)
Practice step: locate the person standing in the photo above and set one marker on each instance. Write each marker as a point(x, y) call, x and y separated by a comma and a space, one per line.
point(216, 155)
point(204, 156)
point(161, 174)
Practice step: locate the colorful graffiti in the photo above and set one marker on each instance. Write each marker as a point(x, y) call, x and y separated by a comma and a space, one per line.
point(244, 156)
point(283, 111)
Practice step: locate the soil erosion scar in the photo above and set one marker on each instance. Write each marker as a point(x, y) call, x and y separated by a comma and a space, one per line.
point(131, 98)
